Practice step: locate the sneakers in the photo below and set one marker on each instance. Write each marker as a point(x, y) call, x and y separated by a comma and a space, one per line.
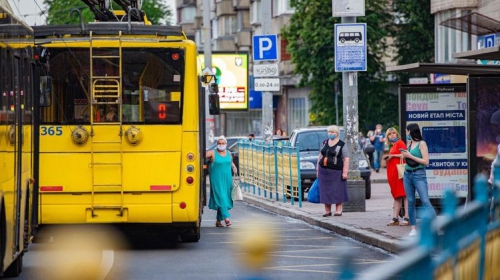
point(413, 232)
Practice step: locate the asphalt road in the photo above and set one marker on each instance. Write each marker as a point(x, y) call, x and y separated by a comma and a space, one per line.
point(284, 248)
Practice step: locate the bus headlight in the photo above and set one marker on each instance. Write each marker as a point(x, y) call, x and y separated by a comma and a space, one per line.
point(79, 135)
point(133, 135)
point(190, 168)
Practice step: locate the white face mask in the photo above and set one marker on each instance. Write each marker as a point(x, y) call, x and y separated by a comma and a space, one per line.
point(221, 147)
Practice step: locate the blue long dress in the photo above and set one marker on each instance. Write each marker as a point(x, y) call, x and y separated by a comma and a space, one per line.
point(221, 181)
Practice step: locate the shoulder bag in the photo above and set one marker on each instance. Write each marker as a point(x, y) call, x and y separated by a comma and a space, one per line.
point(401, 168)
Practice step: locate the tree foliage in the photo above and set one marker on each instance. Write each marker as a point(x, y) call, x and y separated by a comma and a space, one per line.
point(310, 36)
point(59, 11)
point(414, 33)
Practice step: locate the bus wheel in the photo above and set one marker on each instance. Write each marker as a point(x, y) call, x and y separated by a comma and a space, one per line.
point(3, 235)
point(15, 267)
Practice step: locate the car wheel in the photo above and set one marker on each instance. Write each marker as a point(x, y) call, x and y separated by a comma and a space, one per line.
point(368, 188)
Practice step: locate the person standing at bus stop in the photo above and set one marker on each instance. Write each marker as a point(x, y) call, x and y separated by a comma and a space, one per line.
point(332, 168)
point(415, 178)
point(395, 183)
point(378, 140)
point(221, 181)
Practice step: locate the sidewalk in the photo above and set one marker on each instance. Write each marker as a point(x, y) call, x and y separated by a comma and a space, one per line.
point(369, 227)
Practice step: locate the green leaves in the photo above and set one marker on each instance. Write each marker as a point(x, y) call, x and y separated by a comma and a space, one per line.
point(310, 36)
point(59, 12)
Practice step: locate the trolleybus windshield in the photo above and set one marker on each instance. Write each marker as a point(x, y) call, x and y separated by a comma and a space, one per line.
point(151, 82)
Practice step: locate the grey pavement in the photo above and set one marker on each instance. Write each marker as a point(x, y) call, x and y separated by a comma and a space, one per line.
point(369, 227)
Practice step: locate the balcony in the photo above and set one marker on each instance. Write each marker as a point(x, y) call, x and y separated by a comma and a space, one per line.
point(224, 7)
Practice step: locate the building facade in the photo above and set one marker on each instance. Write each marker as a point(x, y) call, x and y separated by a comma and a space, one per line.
point(460, 25)
point(233, 23)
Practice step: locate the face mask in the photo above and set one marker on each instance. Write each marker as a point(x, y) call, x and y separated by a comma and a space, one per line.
point(393, 140)
point(221, 147)
point(408, 137)
point(332, 136)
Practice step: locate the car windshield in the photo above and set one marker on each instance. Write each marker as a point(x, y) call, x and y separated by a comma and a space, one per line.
point(311, 141)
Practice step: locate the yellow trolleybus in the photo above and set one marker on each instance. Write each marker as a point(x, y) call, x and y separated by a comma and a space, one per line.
point(121, 126)
point(16, 161)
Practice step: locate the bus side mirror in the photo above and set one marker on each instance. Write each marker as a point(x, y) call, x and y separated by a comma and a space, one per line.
point(45, 91)
point(213, 104)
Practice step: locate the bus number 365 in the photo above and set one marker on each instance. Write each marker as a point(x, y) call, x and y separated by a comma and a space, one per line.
point(51, 130)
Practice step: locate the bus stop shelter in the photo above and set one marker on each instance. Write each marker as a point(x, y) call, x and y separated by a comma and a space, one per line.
point(460, 122)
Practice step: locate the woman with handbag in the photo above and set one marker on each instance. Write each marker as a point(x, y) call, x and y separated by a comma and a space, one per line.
point(332, 168)
point(221, 181)
point(415, 178)
point(395, 158)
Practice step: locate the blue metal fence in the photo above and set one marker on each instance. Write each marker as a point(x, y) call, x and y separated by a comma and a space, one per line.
point(463, 243)
point(270, 170)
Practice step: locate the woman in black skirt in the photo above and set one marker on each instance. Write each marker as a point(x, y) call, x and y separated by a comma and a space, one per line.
point(332, 168)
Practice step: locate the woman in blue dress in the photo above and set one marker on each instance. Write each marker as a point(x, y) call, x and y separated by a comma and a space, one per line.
point(221, 181)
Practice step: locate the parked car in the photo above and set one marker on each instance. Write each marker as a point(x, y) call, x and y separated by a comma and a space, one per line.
point(310, 140)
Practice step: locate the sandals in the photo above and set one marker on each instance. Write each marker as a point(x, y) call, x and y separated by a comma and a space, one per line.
point(228, 222)
point(218, 224)
point(405, 222)
point(394, 222)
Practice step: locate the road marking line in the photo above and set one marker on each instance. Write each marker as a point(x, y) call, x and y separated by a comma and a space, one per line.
point(108, 257)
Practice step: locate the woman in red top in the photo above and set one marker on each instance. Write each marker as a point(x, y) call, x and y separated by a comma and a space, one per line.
point(397, 188)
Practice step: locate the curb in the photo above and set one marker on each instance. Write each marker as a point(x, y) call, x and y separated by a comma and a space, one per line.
point(385, 243)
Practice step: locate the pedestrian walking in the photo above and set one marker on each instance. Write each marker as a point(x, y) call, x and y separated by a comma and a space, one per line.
point(378, 140)
point(221, 181)
point(395, 182)
point(332, 168)
point(415, 178)
point(369, 149)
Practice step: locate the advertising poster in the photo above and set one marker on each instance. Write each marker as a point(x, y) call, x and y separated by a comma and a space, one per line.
point(441, 113)
point(231, 72)
point(484, 97)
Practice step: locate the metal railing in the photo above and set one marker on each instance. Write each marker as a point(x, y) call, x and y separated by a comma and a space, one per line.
point(270, 170)
point(463, 243)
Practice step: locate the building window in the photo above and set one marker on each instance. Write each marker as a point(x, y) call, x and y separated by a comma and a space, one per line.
point(255, 12)
point(297, 113)
point(282, 7)
point(187, 14)
point(229, 25)
point(448, 40)
point(244, 123)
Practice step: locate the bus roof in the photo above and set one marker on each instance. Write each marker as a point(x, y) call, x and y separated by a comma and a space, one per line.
point(108, 28)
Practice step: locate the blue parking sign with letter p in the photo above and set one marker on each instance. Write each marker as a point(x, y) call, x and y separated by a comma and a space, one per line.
point(265, 47)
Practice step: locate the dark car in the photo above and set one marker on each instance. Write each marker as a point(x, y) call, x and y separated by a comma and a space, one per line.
point(310, 140)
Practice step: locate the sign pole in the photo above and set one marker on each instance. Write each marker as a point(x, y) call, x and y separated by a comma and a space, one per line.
point(207, 50)
point(350, 113)
point(267, 96)
point(350, 57)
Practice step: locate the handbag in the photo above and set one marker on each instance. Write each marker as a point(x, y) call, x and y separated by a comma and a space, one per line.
point(369, 149)
point(236, 193)
point(313, 193)
point(401, 169)
point(412, 163)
